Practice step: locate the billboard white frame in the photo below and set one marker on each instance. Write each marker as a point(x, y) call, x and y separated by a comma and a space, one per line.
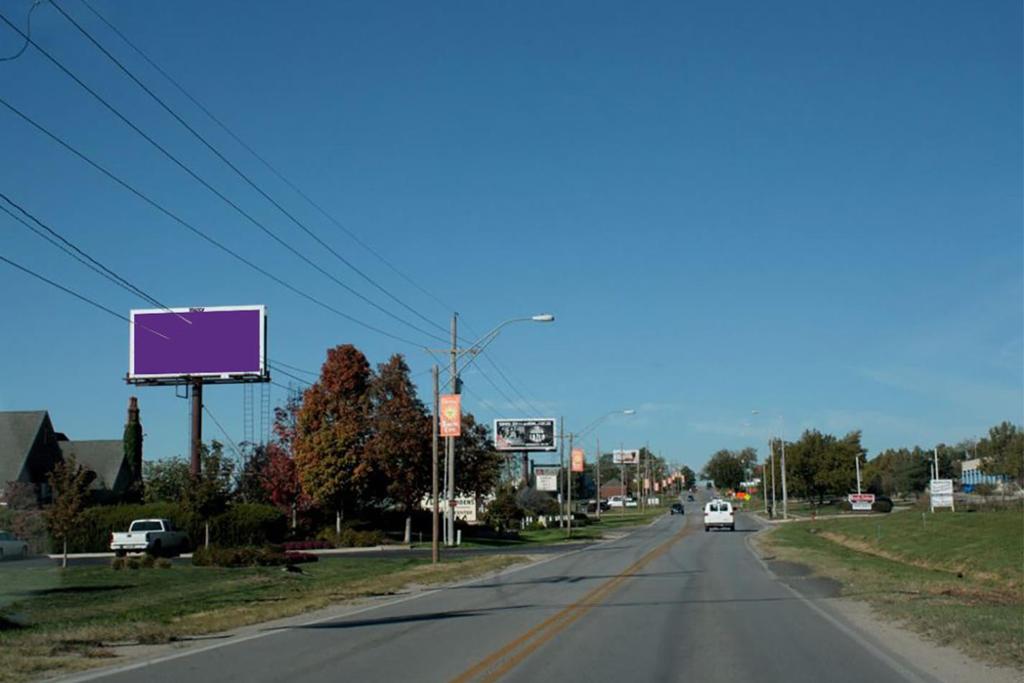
point(208, 377)
point(619, 456)
point(532, 449)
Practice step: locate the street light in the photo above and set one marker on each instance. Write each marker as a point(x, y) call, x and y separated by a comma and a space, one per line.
point(455, 353)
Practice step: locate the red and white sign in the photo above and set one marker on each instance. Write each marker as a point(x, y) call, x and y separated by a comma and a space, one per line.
point(861, 501)
point(451, 415)
point(577, 460)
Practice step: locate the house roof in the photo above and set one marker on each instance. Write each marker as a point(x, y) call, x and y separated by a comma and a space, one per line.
point(105, 458)
point(18, 431)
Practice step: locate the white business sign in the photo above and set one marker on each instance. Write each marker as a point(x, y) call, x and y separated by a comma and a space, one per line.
point(626, 457)
point(547, 478)
point(861, 502)
point(941, 493)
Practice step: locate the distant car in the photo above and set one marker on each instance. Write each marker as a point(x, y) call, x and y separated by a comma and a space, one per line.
point(689, 499)
point(676, 509)
point(11, 546)
point(718, 514)
point(616, 501)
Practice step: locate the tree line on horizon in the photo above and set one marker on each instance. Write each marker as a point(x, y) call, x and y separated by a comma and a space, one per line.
point(820, 465)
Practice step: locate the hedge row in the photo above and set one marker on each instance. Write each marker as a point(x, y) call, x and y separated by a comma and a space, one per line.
point(244, 524)
point(267, 556)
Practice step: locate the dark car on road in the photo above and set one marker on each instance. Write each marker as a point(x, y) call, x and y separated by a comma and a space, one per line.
point(689, 498)
point(676, 509)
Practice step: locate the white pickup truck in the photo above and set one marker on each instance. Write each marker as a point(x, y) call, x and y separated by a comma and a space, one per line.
point(153, 536)
point(719, 514)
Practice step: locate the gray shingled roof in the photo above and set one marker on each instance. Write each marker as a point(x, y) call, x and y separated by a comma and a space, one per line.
point(18, 431)
point(105, 458)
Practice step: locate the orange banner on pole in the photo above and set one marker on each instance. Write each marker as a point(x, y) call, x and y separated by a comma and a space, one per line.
point(451, 415)
point(577, 460)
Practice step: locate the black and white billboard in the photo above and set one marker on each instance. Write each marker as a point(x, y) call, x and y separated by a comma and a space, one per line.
point(531, 434)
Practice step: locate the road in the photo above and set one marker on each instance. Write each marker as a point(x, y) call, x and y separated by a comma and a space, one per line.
point(669, 602)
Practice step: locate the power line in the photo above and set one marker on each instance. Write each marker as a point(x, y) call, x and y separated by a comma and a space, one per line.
point(189, 226)
point(292, 367)
point(220, 195)
point(28, 28)
point(280, 176)
point(277, 369)
point(515, 389)
point(270, 167)
point(75, 294)
point(225, 433)
point(156, 98)
point(75, 252)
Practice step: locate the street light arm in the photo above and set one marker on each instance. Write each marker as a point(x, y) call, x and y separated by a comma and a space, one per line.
point(486, 339)
point(593, 425)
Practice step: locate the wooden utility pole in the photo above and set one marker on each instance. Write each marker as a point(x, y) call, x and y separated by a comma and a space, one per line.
point(450, 440)
point(435, 551)
point(569, 488)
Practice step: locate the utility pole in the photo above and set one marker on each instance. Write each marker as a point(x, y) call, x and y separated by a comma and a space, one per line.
point(561, 479)
point(568, 499)
point(622, 472)
point(598, 465)
point(785, 498)
point(435, 551)
point(197, 427)
point(450, 440)
point(771, 451)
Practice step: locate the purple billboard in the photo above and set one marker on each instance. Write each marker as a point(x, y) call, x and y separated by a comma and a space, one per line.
point(220, 343)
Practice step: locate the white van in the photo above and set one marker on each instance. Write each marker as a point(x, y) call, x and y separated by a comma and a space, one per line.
point(719, 514)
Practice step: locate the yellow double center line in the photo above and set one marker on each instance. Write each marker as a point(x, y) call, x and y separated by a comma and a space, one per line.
point(504, 659)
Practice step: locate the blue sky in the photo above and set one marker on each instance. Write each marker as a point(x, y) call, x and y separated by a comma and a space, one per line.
point(809, 209)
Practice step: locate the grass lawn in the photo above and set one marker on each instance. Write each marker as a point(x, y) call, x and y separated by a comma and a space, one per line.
point(957, 578)
point(54, 620)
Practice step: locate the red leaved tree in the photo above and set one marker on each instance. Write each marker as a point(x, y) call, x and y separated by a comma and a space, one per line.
point(332, 429)
point(280, 476)
point(401, 441)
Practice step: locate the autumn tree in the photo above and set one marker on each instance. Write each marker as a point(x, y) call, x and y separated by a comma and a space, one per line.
point(69, 482)
point(332, 430)
point(280, 476)
point(401, 440)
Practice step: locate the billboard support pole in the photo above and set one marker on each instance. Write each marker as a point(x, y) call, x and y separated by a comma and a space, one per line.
point(435, 551)
point(197, 425)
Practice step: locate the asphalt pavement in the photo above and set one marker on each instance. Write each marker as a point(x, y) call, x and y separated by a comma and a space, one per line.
point(668, 602)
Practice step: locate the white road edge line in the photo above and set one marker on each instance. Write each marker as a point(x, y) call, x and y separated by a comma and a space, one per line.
point(110, 671)
point(899, 668)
